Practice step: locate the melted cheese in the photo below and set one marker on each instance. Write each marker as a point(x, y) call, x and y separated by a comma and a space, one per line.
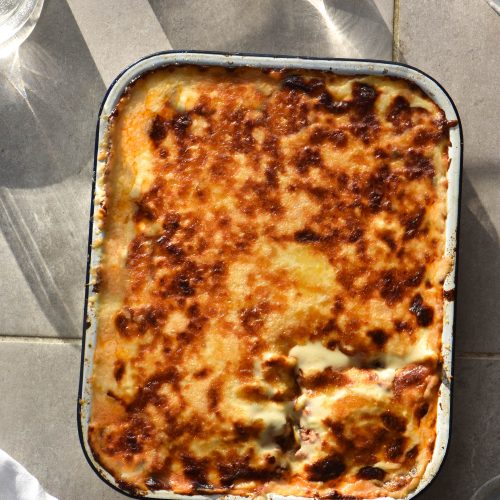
point(270, 300)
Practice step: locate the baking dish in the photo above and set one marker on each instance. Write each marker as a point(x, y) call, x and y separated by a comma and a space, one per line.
point(432, 88)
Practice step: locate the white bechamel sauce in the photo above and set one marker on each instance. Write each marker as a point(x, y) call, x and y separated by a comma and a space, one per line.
point(418, 352)
point(143, 174)
point(316, 357)
point(387, 466)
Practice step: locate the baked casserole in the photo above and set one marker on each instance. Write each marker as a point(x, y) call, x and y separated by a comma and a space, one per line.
point(270, 293)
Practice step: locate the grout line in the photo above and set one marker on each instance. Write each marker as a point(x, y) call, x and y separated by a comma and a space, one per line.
point(478, 355)
point(18, 339)
point(395, 32)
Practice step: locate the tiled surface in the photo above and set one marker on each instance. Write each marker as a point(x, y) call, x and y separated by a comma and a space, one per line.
point(473, 455)
point(48, 106)
point(295, 27)
point(49, 97)
point(38, 423)
point(39, 385)
point(457, 43)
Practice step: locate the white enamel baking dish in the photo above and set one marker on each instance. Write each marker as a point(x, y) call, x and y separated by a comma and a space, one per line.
point(346, 66)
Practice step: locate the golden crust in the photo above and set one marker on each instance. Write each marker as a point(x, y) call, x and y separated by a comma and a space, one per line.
point(270, 302)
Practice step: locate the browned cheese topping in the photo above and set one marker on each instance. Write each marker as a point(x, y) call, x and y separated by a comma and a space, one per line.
point(270, 304)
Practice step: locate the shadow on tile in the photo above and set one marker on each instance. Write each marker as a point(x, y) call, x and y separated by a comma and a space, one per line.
point(49, 99)
point(478, 314)
point(474, 451)
point(330, 28)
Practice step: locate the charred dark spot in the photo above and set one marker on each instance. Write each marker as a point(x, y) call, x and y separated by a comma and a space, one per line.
point(378, 337)
point(328, 377)
point(375, 198)
point(400, 114)
point(272, 176)
point(389, 240)
point(308, 157)
point(121, 322)
point(158, 129)
point(396, 448)
point(97, 281)
point(218, 268)
point(421, 411)
point(196, 323)
point(391, 289)
point(365, 126)
point(417, 165)
point(196, 470)
point(307, 236)
point(332, 345)
point(155, 483)
point(171, 224)
point(412, 223)
point(338, 304)
point(144, 210)
point(336, 107)
point(181, 285)
point(412, 454)
point(371, 473)
point(193, 311)
point(326, 469)
point(245, 432)
point(402, 326)
point(176, 252)
point(119, 370)
point(321, 135)
point(413, 375)
point(148, 393)
point(364, 95)
point(423, 313)
point(286, 441)
point(415, 278)
point(338, 138)
point(393, 422)
point(355, 235)
point(240, 470)
point(126, 486)
point(201, 374)
point(380, 154)
point(296, 82)
point(328, 327)
point(251, 318)
point(213, 395)
point(449, 295)
point(181, 123)
point(424, 137)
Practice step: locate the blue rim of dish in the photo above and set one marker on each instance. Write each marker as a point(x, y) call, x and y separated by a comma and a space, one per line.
point(92, 209)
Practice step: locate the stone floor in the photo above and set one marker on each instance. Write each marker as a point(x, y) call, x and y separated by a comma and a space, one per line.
point(50, 94)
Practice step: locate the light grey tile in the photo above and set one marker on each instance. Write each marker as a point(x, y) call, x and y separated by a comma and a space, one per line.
point(14, 303)
point(475, 436)
point(478, 314)
point(321, 28)
point(38, 388)
point(38, 423)
point(456, 42)
point(49, 98)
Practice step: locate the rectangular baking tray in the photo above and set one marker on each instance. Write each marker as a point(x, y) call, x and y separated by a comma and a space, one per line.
point(342, 66)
